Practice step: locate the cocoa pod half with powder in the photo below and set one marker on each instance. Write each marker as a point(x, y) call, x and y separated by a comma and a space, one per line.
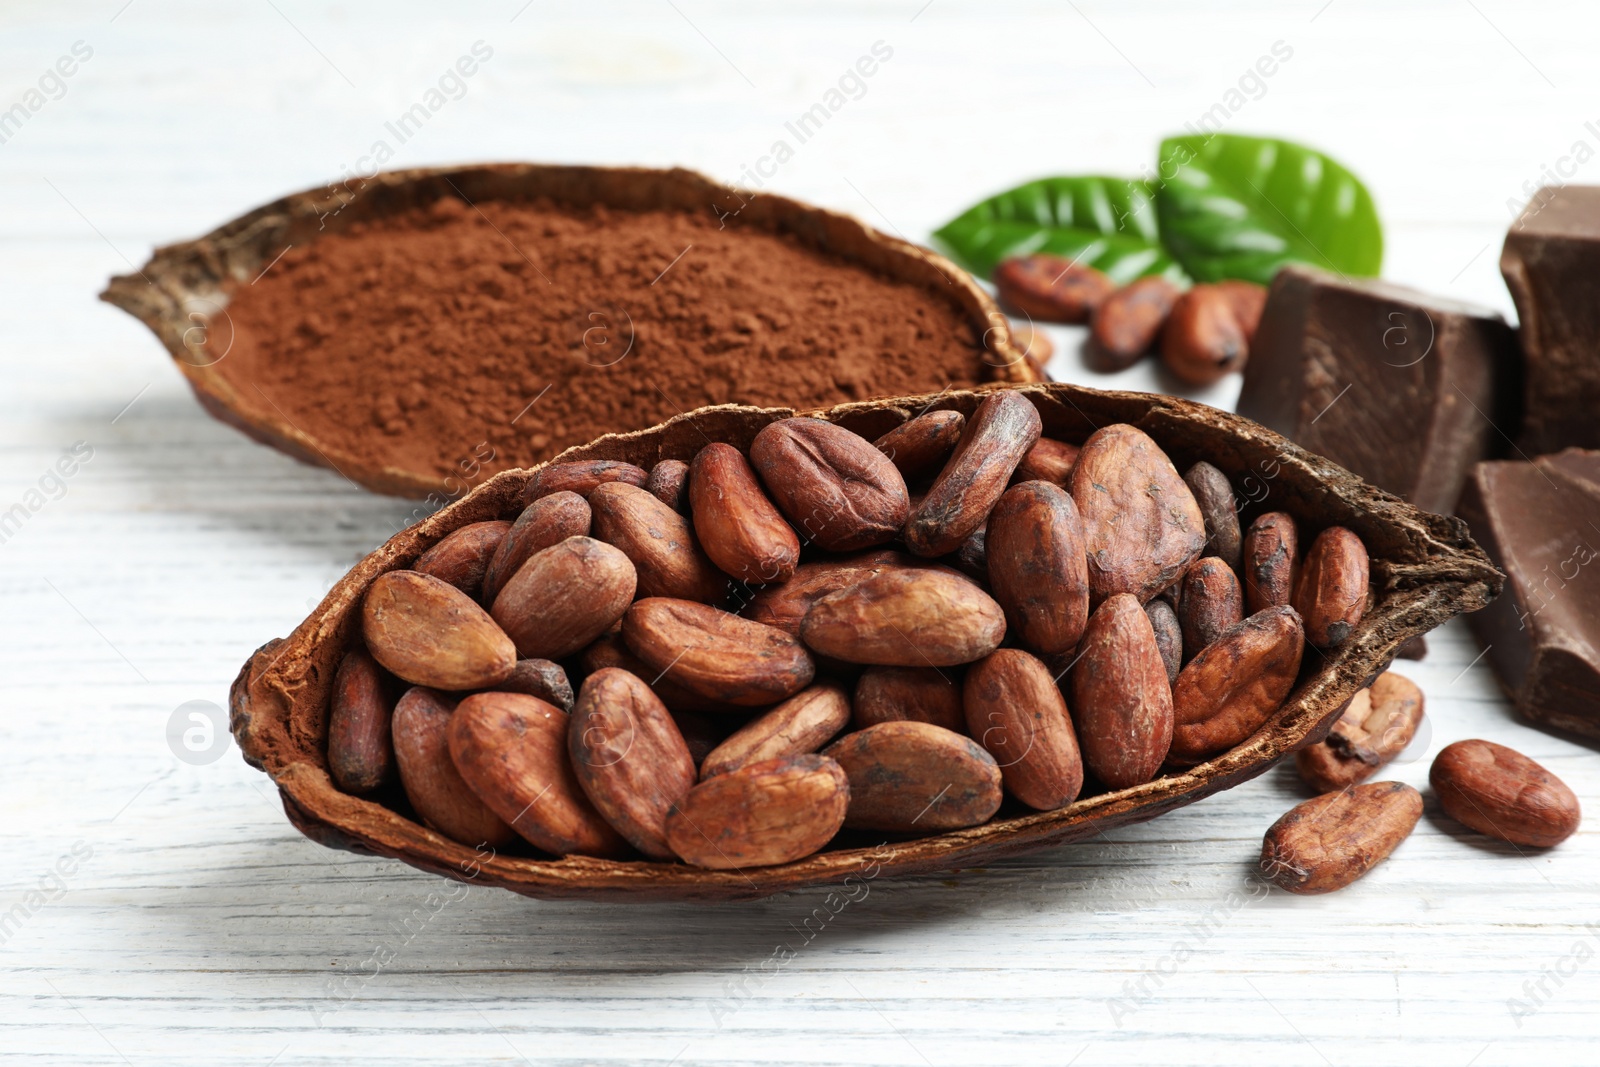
point(512, 751)
point(462, 556)
point(658, 541)
point(1015, 711)
point(1234, 686)
point(1331, 590)
point(803, 723)
point(629, 758)
point(564, 597)
point(360, 742)
point(427, 632)
point(836, 489)
point(1037, 567)
point(911, 777)
point(770, 812)
point(908, 694)
point(581, 477)
point(1000, 433)
point(907, 618)
point(1127, 323)
point(1498, 791)
point(438, 793)
point(1271, 562)
point(1378, 724)
point(922, 444)
point(1210, 604)
point(737, 525)
point(1141, 525)
point(547, 521)
point(1122, 695)
point(1051, 288)
point(717, 655)
point(1332, 840)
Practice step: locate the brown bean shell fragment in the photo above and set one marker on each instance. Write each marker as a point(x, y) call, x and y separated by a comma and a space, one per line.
point(912, 777)
point(668, 482)
point(581, 477)
point(1203, 340)
point(1048, 460)
point(909, 694)
point(737, 525)
point(462, 556)
point(512, 750)
point(1376, 726)
point(803, 723)
point(438, 793)
point(919, 445)
point(1169, 635)
point(1017, 714)
point(762, 814)
point(1214, 495)
point(1141, 525)
point(658, 541)
point(1331, 840)
point(907, 618)
point(1234, 686)
point(1331, 591)
point(629, 757)
point(428, 632)
point(1121, 695)
point(1211, 602)
point(1271, 562)
point(1037, 566)
point(839, 492)
point(539, 678)
point(715, 654)
point(1498, 791)
point(1051, 288)
point(999, 434)
point(547, 521)
point(565, 596)
point(1126, 323)
point(360, 744)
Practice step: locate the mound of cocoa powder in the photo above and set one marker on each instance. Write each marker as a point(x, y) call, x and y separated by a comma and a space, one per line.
point(433, 338)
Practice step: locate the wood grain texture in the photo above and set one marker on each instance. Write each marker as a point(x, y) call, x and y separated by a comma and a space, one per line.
point(202, 929)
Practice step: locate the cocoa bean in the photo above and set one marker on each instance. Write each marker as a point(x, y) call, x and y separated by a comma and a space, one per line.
point(1048, 460)
point(539, 678)
point(1203, 339)
point(717, 655)
point(834, 487)
point(610, 651)
point(737, 525)
point(360, 743)
point(1248, 301)
point(547, 521)
point(785, 605)
point(1141, 525)
point(659, 543)
point(1051, 288)
point(972, 558)
point(803, 723)
point(564, 597)
point(1126, 324)
point(511, 749)
point(430, 633)
point(668, 482)
point(1234, 686)
point(1375, 728)
point(1214, 495)
point(908, 694)
point(1331, 591)
point(1017, 714)
point(629, 757)
point(1037, 567)
point(906, 618)
point(1498, 791)
point(438, 793)
point(1169, 635)
point(912, 777)
point(1122, 695)
point(1271, 562)
point(1329, 841)
point(919, 445)
point(462, 556)
point(1211, 603)
point(762, 814)
point(579, 476)
point(1000, 433)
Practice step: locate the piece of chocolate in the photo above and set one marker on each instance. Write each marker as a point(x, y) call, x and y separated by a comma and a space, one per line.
point(1540, 523)
point(1551, 263)
point(1405, 389)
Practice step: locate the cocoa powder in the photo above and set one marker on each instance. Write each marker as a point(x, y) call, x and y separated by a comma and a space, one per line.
point(418, 340)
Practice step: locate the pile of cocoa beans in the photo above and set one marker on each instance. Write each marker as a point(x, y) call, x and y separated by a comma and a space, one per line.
point(1202, 333)
point(830, 632)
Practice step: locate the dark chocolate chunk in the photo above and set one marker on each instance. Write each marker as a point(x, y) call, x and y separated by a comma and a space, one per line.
point(1406, 390)
point(1541, 525)
point(1551, 263)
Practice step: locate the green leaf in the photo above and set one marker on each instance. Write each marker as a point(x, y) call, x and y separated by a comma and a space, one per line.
point(1241, 207)
point(1108, 223)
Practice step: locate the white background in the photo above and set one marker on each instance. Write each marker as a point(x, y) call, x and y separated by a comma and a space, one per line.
point(202, 929)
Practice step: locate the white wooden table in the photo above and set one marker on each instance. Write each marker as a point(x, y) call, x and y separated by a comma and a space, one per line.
point(159, 911)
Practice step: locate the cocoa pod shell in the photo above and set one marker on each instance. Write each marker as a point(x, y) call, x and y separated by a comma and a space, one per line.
point(1330, 841)
point(1378, 724)
point(1232, 688)
point(737, 525)
point(909, 694)
point(1498, 791)
point(998, 435)
point(1015, 711)
point(803, 723)
point(906, 618)
point(835, 488)
point(564, 597)
point(428, 632)
point(715, 654)
point(463, 556)
point(1271, 561)
point(360, 743)
point(761, 814)
point(1331, 591)
point(547, 521)
point(912, 777)
point(438, 793)
point(1121, 695)
point(922, 444)
point(658, 541)
point(1037, 567)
